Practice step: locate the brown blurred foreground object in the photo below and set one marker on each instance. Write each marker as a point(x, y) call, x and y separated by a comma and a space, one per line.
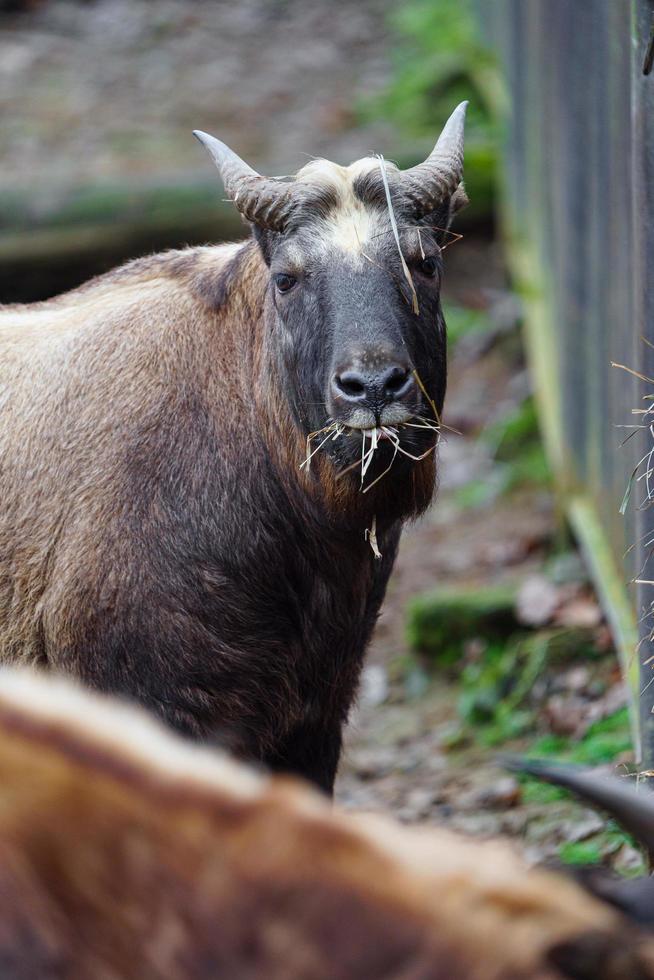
point(127, 853)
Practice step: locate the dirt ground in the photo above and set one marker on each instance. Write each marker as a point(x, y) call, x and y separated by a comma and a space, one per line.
point(399, 757)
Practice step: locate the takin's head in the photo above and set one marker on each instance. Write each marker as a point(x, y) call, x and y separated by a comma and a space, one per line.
point(355, 264)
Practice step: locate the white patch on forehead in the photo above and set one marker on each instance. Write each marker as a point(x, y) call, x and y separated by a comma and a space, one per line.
point(351, 223)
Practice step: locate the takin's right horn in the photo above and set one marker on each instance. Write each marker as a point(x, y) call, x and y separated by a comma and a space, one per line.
point(265, 201)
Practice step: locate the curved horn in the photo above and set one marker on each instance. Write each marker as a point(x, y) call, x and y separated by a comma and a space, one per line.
point(263, 200)
point(437, 177)
point(633, 809)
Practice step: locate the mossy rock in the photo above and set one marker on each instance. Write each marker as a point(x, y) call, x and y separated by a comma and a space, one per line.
point(440, 623)
point(569, 645)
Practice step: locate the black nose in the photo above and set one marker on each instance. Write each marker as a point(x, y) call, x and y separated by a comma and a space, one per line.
point(373, 389)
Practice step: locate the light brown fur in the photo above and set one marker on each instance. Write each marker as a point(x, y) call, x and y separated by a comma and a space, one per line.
point(129, 339)
point(127, 855)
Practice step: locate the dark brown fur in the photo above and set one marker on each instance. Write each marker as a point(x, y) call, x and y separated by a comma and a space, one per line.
point(126, 856)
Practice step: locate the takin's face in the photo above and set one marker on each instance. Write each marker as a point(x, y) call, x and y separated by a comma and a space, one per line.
point(361, 341)
point(355, 295)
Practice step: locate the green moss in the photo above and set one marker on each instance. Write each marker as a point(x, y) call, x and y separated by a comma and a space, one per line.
point(496, 688)
point(603, 741)
point(440, 623)
point(596, 849)
point(549, 745)
point(601, 744)
point(533, 791)
point(581, 852)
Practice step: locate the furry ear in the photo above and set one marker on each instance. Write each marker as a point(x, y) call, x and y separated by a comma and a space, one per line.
point(458, 200)
point(441, 218)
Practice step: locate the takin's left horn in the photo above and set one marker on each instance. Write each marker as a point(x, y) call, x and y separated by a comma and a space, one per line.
point(267, 202)
point(429, 183)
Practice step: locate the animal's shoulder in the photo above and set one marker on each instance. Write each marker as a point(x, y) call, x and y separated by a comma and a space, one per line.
point(187, 268)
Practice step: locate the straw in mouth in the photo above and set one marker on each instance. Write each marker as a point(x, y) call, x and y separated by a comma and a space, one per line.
point(377, 434)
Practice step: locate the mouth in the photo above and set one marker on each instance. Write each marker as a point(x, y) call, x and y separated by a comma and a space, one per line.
point(381, 433)
point(374, 449)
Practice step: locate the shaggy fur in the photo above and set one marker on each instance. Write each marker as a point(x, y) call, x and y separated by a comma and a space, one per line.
point(127, 855)
point(157, 537)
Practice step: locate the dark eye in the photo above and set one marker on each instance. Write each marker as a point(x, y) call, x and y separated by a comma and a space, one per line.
point(428, 266)
point(284, 282)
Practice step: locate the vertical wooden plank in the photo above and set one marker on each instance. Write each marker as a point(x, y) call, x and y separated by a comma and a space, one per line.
point(642, 180)
point(572, 150)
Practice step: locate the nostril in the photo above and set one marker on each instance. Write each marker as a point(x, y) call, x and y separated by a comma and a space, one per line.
point(397, 382)
point(350, 384)
point(374, 388)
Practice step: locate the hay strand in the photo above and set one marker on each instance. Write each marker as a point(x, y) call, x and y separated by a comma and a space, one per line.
point(371, 534)
point(396, 235)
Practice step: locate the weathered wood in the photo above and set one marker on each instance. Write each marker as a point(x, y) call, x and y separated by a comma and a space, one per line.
point(578, 210)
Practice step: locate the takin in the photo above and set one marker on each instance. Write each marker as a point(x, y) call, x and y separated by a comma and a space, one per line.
point(129, 854)
point(161, 537)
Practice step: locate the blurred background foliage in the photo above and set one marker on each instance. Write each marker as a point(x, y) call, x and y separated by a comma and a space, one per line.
point(439, 59)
